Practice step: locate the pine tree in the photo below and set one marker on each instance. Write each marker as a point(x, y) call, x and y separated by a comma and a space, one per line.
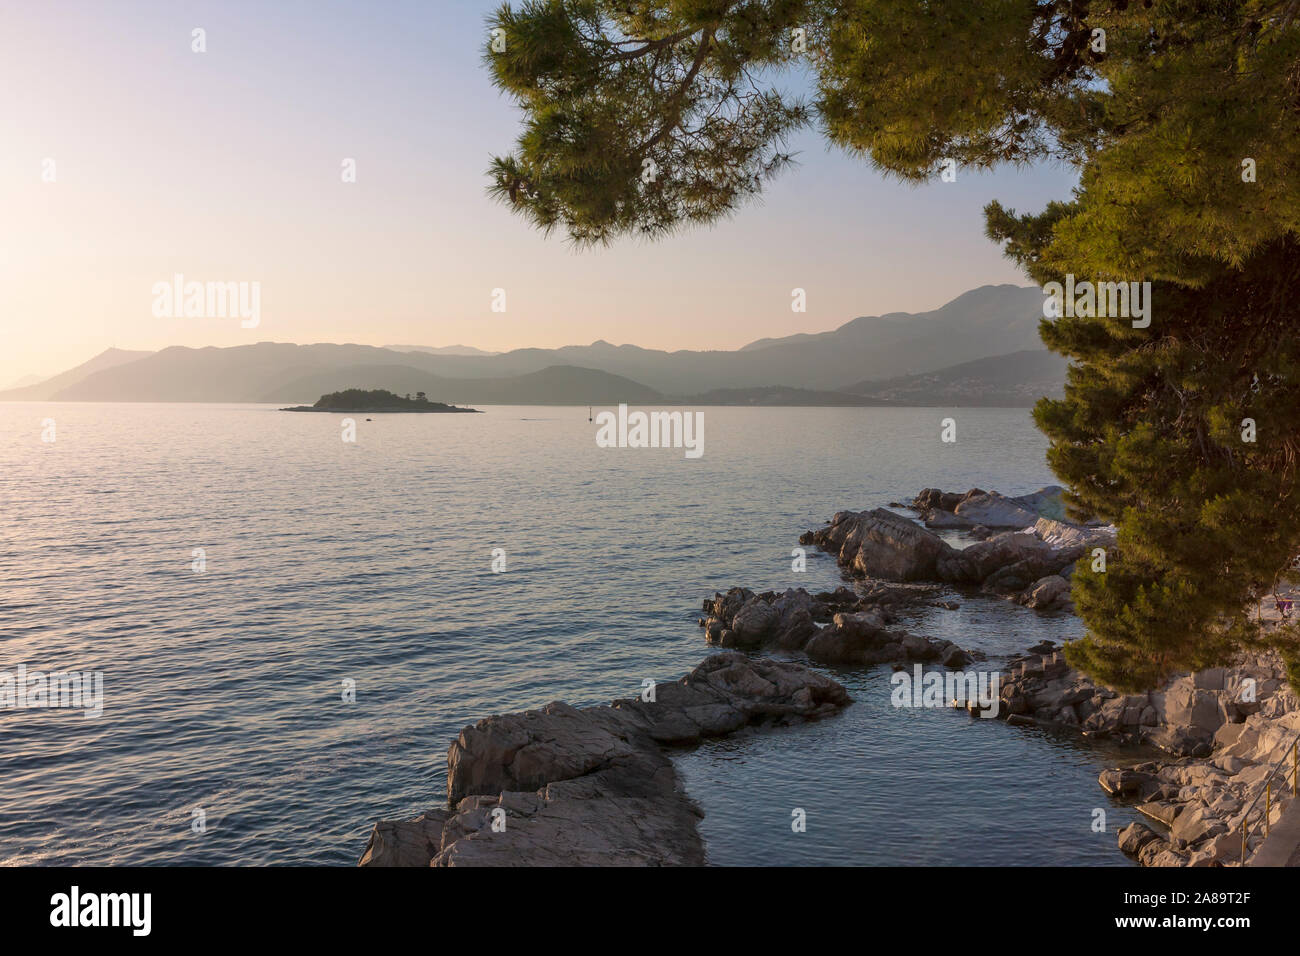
point(1182, 118)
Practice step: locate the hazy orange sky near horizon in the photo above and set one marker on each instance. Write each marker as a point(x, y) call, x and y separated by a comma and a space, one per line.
point(226, 166)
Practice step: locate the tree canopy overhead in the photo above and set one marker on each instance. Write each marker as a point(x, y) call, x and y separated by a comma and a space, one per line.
point(1182, 118)
point(1158, 111)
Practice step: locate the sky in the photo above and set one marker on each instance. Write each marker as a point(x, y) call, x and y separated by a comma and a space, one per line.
point(226, 165)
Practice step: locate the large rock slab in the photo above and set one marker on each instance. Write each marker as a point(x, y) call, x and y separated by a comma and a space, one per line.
point(593, 786)
point(941, 509)
point(1047, 502)
point(1048, 593)
point(406, 842)
point(881, 544)
point(1063, 534)
point(525, 751)
point(993, 510)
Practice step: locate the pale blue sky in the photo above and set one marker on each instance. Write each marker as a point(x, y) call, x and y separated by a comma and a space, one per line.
point(226, 166)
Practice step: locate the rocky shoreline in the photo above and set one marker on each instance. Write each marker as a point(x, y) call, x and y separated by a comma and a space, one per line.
point(595, 786)
point(563, 786)
point(1221, 730)
point(1031, 564)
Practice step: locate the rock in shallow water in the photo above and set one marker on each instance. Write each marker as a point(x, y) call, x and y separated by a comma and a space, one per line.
point(1029, 565)
point(881, 544)
point(593, 786)
point(995, 511)
point(857, 634)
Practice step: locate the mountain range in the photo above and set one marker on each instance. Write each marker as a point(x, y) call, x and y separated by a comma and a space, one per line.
point(981, 348)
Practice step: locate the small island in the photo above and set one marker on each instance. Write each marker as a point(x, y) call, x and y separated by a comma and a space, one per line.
point(377, 400)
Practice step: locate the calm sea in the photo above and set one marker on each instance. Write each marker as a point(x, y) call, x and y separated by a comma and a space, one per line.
point(327, 562)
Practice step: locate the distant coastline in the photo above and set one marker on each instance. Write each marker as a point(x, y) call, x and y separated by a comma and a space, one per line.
point(981, 349)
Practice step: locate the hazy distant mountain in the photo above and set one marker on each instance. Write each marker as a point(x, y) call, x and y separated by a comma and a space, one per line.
point(557, 385)
point(242, 373)
point(300, 374)
point(1018, 379)
point(1005, 311)
point(1008, 381)
point(985, 322)
point(991, 320)
point(279, 372)
point(443, 350)
point(25, 381)
point(780, 396)
point(46, 388)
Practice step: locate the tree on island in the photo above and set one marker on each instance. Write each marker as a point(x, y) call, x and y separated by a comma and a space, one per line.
point(379, 400)
point(1182, 118)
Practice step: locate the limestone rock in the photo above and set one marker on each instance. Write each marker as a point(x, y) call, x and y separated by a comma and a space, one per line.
point(593, 786)
point(1047, 593)
point(995, 511)
point(881, 544)
point(1135, 836)
point(858, 631)
point(405, 842)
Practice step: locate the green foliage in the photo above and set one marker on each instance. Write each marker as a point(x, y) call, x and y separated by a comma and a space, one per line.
point(1151, 434)
point(1159, 119)
point(638, 122)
